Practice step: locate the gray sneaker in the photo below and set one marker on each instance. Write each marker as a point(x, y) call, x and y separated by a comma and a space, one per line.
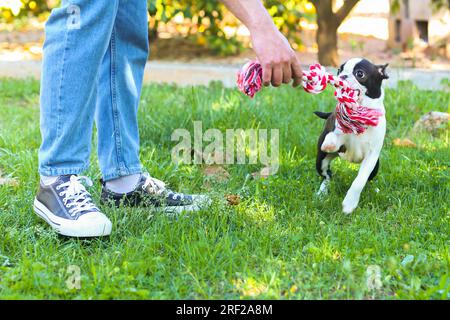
point(151, 192)
point(68, 208)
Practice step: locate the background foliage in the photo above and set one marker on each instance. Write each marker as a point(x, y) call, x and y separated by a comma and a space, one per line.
point(11, 9)
point(207, 21)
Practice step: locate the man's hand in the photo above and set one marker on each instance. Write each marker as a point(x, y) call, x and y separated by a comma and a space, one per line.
point(278, 60)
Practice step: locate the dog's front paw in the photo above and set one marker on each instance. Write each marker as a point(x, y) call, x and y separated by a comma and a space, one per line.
point(329, 148)
point(330, 143)
point(349, 204)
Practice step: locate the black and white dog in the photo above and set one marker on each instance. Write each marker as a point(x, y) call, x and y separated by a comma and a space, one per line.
point(364, 148)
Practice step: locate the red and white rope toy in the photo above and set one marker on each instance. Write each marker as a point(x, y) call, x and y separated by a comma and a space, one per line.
point(350, 115)
point(249, 78)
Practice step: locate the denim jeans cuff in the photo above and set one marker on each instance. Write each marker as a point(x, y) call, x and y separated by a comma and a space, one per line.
point(60, 171)
point(121, 172)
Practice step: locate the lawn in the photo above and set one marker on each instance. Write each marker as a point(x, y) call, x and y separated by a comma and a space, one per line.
point(279, 242)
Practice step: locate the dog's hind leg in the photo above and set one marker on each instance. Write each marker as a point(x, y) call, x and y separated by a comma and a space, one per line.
point(324, 158)
point(374, 171)
point(323, 162)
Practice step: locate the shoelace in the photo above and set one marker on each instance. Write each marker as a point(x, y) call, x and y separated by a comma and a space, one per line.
point(158, 187)
point(76, 198)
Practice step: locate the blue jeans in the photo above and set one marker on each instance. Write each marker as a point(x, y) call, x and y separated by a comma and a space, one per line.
point(93, 66)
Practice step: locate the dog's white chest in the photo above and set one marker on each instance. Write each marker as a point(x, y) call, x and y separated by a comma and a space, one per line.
point(359, 146)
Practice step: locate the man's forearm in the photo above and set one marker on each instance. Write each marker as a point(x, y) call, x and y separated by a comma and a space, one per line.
point(251, 13)
point(280, 63)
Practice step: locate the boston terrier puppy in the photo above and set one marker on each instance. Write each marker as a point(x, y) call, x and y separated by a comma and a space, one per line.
point(362, 148)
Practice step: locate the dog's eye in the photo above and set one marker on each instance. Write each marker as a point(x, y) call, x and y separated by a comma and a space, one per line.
point(360, 74)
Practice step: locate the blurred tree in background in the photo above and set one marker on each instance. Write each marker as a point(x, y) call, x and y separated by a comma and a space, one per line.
point(214, 28)
point(13, 9)
point(210, 25)
point(328, 22)
point(206, 22)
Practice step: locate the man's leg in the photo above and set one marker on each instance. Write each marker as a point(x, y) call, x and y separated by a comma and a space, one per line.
point(77, 37)
point(116, 117)
point(119, 90)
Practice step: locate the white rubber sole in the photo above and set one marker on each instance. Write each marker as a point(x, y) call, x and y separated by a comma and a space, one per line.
point(93, 224)
point(200, 202)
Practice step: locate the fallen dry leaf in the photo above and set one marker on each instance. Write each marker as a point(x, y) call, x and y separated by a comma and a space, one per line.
point(216, 172)
point(233, 199)
point(8, 182)
point(404, 143)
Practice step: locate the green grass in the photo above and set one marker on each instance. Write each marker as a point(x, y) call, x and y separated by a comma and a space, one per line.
point(280, 242)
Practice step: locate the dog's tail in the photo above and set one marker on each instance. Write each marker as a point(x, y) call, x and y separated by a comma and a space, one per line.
point(323, 115)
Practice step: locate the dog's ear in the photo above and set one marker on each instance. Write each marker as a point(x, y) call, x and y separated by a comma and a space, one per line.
point(382, 70)
point(323, 115)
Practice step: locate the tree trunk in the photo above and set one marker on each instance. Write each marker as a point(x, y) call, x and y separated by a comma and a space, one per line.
point(328, 23)
point(327, 44)
point(327, 33)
